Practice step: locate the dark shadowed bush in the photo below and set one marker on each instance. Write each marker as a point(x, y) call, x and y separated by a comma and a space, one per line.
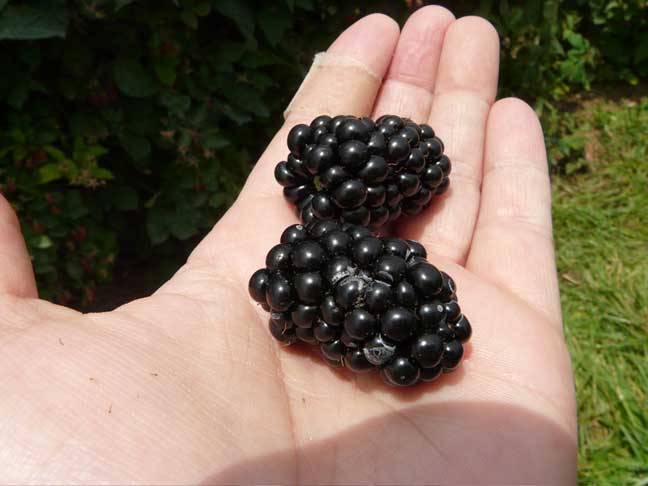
point(127, 127)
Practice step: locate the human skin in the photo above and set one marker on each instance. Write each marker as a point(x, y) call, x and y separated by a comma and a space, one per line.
point(187, 385)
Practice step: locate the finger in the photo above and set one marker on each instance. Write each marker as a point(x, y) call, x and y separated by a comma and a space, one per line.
point(513, 244)
point(465, 89)
point(407, 89)
point(17, 275)
point(345, 80)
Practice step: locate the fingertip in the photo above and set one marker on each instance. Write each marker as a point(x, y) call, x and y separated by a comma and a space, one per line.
point(435, 13)
point(17, 277)
point(479, 26)
point(417, 55)
point(7, 213)
point(367, 40)
point(512, 103)
point(470, 58)
point(514, 129)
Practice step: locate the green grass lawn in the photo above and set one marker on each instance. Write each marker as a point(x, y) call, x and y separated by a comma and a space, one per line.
point(601, 230)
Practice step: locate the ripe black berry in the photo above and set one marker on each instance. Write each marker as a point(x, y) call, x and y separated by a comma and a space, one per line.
point(319, 159)
point(333, 350)
point(279, 294)
point(282, 334)
point(325, 332)
point(356, 361)
point(349, 292)
point(462, 329)
point(390, 268)
point(323, 207)
point(431, 314)
point(452, 311)
point(337, 242)
point(309, 287)
point(305, 334)
point(304, 315)
point(258, 285)
point(365, 301)
point(298, 137)
point(367, 250)
point(352, 129)
point(330, 311)
point(293, 234)
point(350, 194)
point(428, 350)
point(353, 154)
point(378, 297)
point(374, 171)
point(406, 294)
point(307, 255)
point(359, 324)
point(402, 372)
point(388, 167)
point(398, 324)
point(426, 279)
point(430, 374)
point(452, 354)
point(360, 216)
point(279, 257)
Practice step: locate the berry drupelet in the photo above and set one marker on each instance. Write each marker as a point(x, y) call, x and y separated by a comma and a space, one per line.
point(367, 302)
point(362, 172)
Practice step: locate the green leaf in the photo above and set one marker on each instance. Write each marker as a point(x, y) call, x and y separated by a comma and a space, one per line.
point(214, 141)
point(156, 226)
point(182, 227)
point(48, 173)
point(132, 79)
point(241, 13)
point(165, 73)
point(42, 242)
point(74, 269)
point(41, 21)
point(73, 205)
point(189, 19)
point(3, 3)
point(137, 147)
point(304, 4)
point(101, 173)
point(19, 94)
point(176, 103)
point(217, 201)
point(202, 9)
point(199, 199)
point(119, 4)
point(125, 198)
point(274, 25)
point(236, 115)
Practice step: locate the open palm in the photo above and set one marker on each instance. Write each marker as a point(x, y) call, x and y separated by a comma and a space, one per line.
point(187, 386)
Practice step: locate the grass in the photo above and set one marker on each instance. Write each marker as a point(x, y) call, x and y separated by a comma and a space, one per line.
point(601, 230)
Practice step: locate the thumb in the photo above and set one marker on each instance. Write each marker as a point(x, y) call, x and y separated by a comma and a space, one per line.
point(17, 275)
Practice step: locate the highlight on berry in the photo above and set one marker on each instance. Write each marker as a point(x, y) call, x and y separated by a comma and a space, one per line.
point(362, 172)
point(367, 302)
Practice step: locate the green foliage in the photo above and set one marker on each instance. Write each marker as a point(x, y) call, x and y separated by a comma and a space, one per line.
point(129, 126)
point(601, 230)
point(136, 128)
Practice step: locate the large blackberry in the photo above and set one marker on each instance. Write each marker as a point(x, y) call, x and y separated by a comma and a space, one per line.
point(362, 172)
point(366, 301)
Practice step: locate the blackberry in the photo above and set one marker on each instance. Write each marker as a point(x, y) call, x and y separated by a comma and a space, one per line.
point(358, 171)
point(363, 300)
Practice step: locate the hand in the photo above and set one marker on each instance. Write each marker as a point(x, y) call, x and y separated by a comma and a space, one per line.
point(188, 386)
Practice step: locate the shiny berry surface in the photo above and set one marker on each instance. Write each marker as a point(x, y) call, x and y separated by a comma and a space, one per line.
point(402, 372)
point(364, 301)
point(400, 164)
